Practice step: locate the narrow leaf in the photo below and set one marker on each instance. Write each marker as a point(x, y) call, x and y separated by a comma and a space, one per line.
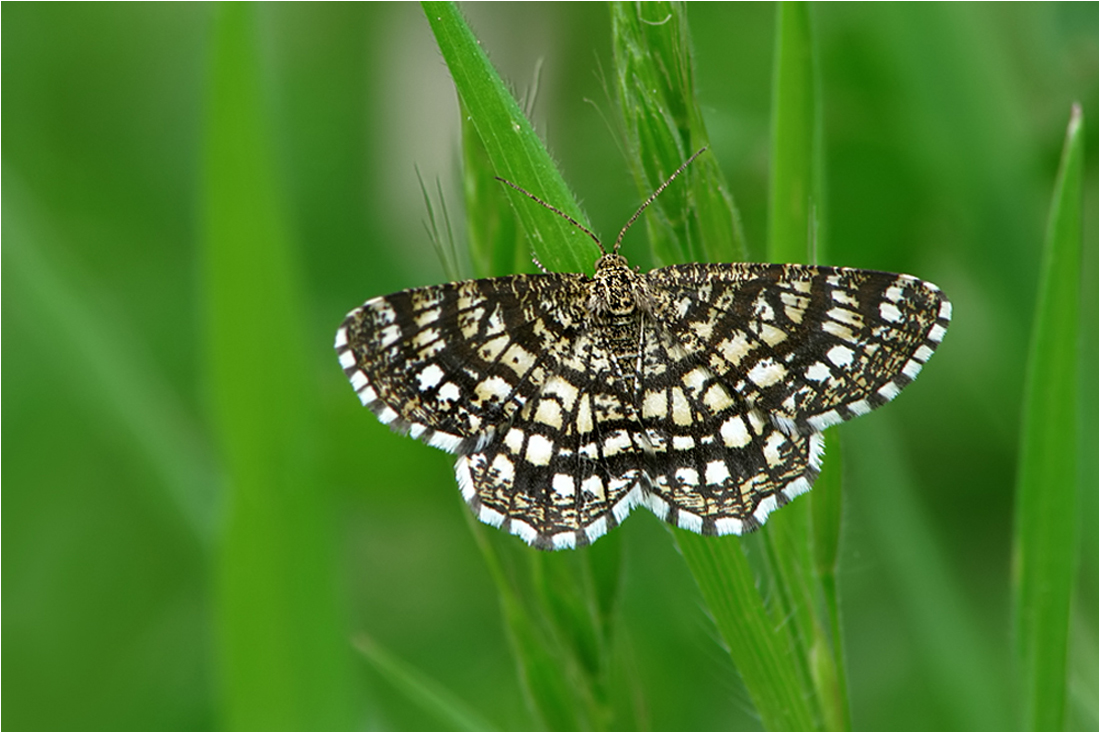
point(828, 661)
point(285, 661)
point(1046, 531)
point(495, 237)
point(695, 219)
point(541, 665)
point(760, 653)
point(803, 541)
point(793, 195)
point(513, 147)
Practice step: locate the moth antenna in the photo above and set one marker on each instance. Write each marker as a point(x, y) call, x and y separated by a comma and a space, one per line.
point(652, 196)
point(557, 211)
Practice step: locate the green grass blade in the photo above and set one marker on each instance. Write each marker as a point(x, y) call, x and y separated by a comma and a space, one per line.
point(1046, 531)
point(569, 592)
point(496, 241)
point(495, 238)
point(803, 542)
point(428, 694)
point(827, 662)
point(541, 664)
point(285, 661)
point(793, 195)
point(513, 147)
point(758, 648)
point(695, 219)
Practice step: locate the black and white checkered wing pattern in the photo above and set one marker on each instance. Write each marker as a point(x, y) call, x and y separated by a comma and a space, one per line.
point(807, 346)
point(450, 364)
point(570, 465)
point(699, 391)
point(508, 373)
point(718, 465)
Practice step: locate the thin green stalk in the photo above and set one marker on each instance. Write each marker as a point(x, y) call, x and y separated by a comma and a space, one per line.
point(512, 145)
point(793, 195)
point(558, 634)
point(827, 660)
point(494, 236)
point(1046, 531)
point(759, 648)
point(802, 542)
point(285, 661)
point(695, 220)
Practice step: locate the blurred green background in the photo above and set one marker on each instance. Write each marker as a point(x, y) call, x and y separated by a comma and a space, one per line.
point(943, 127)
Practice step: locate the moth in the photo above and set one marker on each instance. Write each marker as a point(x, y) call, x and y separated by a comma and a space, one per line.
point(699, 391)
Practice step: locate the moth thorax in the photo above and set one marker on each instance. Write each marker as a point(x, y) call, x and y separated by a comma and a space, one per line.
point(616, 290)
